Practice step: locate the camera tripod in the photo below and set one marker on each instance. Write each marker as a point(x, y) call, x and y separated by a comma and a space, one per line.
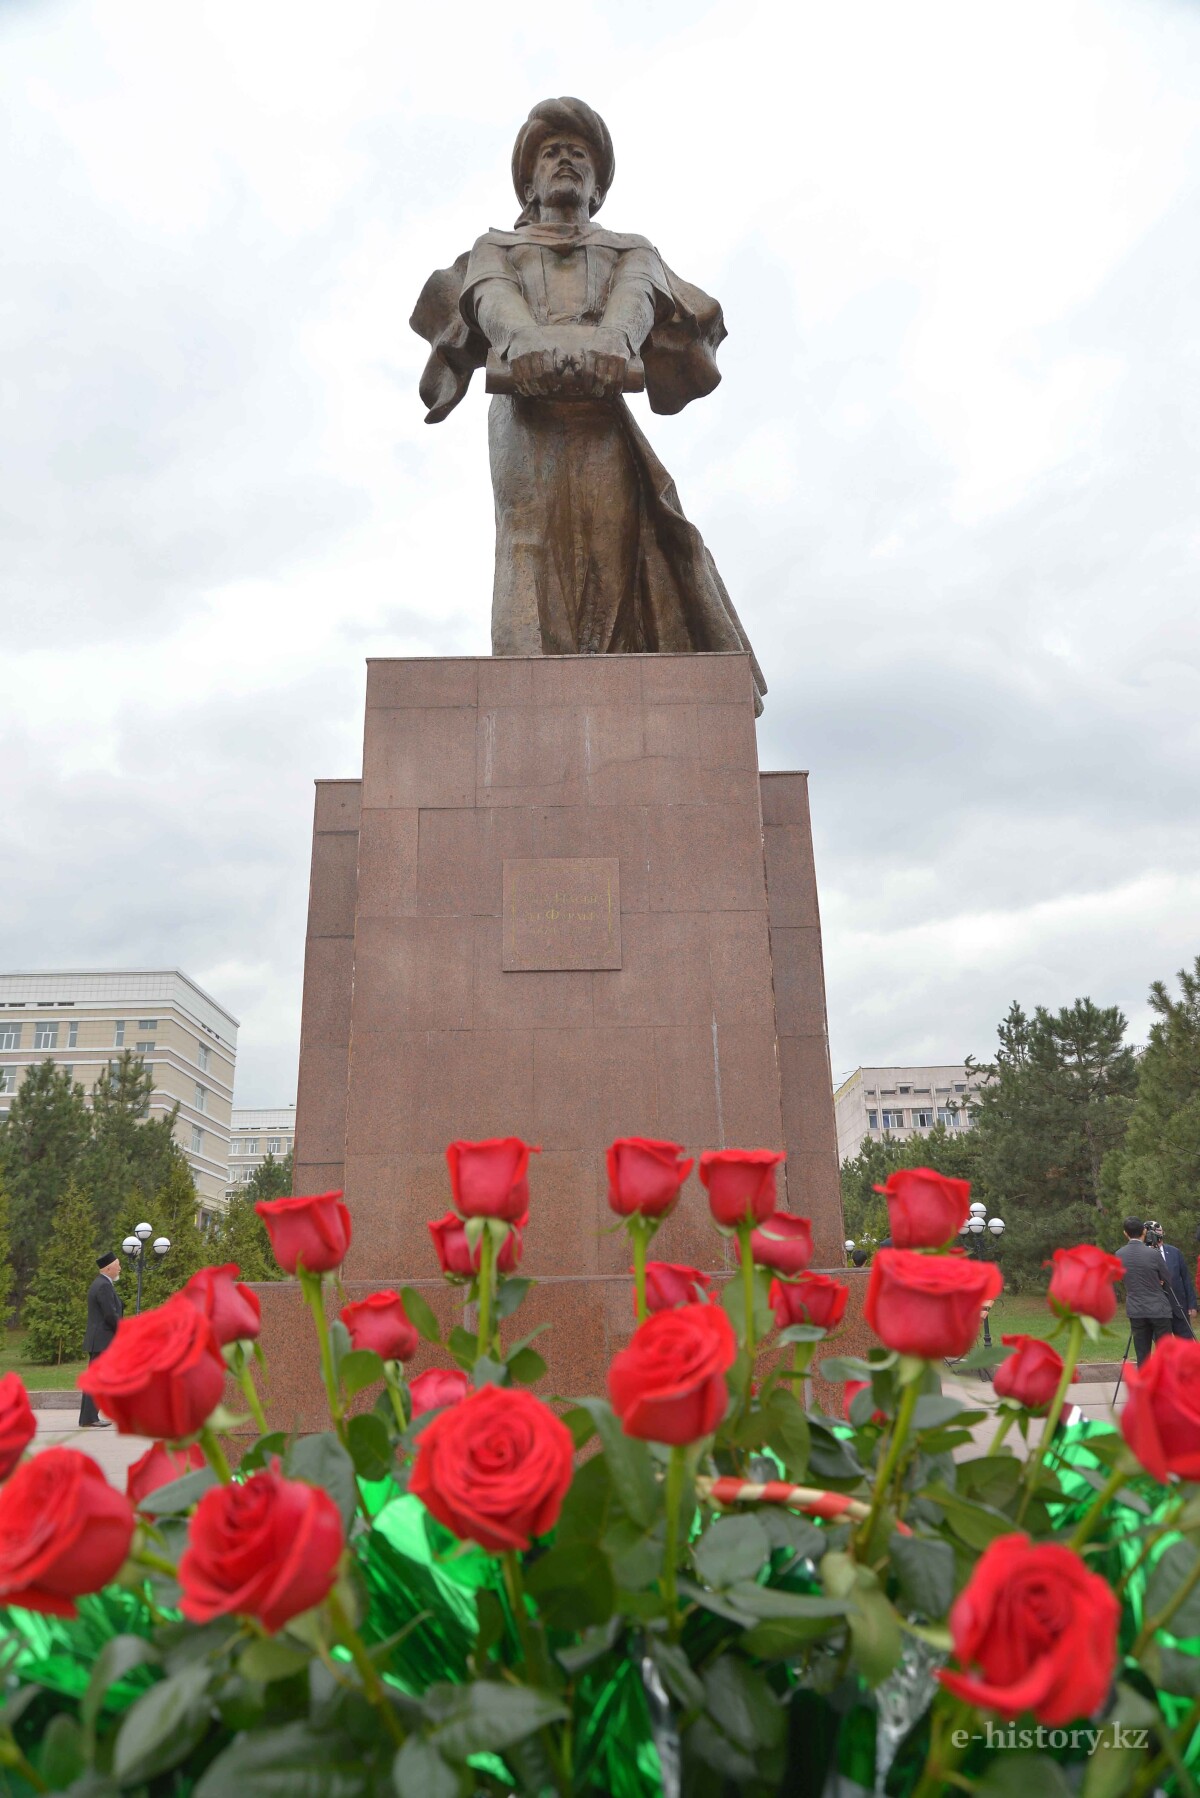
point(1179, 1312)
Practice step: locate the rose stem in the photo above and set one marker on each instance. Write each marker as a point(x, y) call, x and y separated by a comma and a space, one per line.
point(146, 1557)
point(1147, 1780)
point(313, 1289)
point(1034, 1464)
point(801, 1356)
point(373, 1686)
point(944, 1754)
point(1006, 1423)
point(486, 1260)
point(214, 1454)
point(11, 1756)
point(676, 1472)
point(510, 1563)
point(246, 1382)
point(395, 1394)
point(887, 1466)
point(745, 1232)
point(1148, 1546)
point(1091, 1518)
point(637, 1232)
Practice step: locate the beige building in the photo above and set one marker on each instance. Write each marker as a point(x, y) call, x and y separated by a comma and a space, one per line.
point(901, 1102)
point(82, 1020)
point(255, 1134)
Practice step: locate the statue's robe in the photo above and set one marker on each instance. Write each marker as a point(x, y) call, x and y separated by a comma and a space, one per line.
point(593, 552)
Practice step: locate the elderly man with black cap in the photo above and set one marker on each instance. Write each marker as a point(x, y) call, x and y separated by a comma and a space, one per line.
point(594, 555)
point(105, 1309)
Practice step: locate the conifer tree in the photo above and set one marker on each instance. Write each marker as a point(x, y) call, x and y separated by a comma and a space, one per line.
point(173, 1215)
point(55, 1310)
point(42, 1144)
point(242, 1235)
point(1156, 1171)
point(6, 1268)
point(130, 1153)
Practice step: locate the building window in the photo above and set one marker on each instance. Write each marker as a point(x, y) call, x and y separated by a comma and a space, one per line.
point(906, 1089)
point(252, 1146)
point(147, 1023)
point(197, 1139)
point(202, 1057)
point(945, 1117)
point(148, 1069)
point(872, 1120)
point(922, 1120)
point(273, 1146)
point(968, 1118)
point(45, 1036)
point(143, 1048)
point(960, 1086)
point(10, 1036)
point(119, 1034)
point(72, 1035)
point(8, 1080)
point(235, 1148)
point(893, 1120)
point(201, 1097)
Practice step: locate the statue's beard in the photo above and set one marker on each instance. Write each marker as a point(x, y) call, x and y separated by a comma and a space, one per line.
point(564, 191)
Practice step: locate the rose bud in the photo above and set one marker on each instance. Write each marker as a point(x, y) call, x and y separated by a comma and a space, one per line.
point(437, 1388)
point(18, 1426)
point(162, 1375)
point(645, 1176)
point(1161, 1419)
point(230, 1307)
point(1031, 1373)
point(926, 1210)
point(740, 1184)
point(783, 1243)
point(1041, 1627)
point(668, 1385)
point(1082, 1281)
point(852, 1390)
point(380, 1322)
point(928, 1305)
point(64, 1532)
point(491, 1179)
point(160, 1466)
point(456, 1258)
point(669, 1284)
point(309, 1234)
point(268, 1549)
point(495, 1468)
point(812, 1299)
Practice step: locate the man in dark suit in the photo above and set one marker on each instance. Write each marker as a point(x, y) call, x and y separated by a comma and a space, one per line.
point(105, 1308)
point(1179, 1279)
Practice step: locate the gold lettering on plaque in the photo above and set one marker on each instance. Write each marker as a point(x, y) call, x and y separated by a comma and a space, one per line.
point(562, 912)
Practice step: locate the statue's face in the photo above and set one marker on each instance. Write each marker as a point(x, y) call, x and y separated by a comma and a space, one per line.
point(563, 174)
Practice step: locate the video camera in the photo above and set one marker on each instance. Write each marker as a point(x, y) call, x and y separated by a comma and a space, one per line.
point(1154, 1235)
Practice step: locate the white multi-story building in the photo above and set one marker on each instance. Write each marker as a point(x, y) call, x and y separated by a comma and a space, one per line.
point(82, 1019)
point(901, 1102)
point(255, 1134)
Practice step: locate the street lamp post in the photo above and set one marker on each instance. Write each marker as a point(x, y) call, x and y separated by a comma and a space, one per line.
point(134, 1246)
point(973, 1230)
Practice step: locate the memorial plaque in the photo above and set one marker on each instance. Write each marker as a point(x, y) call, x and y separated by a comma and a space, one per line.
point(561, 913)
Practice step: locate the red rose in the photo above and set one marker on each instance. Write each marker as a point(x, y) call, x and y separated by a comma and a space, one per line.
point(267, 1549)
point(380, 1322)
point(740, 1184)
point(644, 1176)
point(1042, 1629)
point(1082, 1281)
point(928, 1305)
point(669, 1284)
point(162, 1375)
point(231, 1308)
point(437, 1388)
point(309, 1233)
point(456, 1258)
point(925, 1209)
point(491, 1179)
point(669, 1384)
point(64, 1532)
point(1030, 1375)
point(1161, 1419)
point(495, 1468)
point(158, 1467)
point(783, 1242)
point(18, 1425)
point(812, 1299)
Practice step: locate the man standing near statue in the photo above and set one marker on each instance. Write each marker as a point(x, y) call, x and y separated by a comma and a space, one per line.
point(105, 1309)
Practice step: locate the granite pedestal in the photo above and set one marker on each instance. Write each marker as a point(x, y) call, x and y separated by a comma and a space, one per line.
point(562, 903)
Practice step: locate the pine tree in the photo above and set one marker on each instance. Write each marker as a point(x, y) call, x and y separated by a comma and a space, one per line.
point(6, 1268)
point(1156, 1172)
point(242, 1235)
point(130, 1154)
point(950, 1152)
point(55, 1311)
point(43, 1142)
point(173, 1215)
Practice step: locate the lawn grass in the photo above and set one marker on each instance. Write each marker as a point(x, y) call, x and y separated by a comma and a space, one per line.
point(1029, 1314)
point(37, 1378)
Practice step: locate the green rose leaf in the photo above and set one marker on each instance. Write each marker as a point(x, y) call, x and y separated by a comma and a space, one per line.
point(322, 1461)
point(163, 1726)
point(420, 1315)
point(630, 1467)
point(925, 1570)
point(487, 1715)
point(573, 1586)
point(179, 1495)
point(419, 1771)
point(289, 1760)
point(360, 1369)
point(733, 1548)
point(119, 1656)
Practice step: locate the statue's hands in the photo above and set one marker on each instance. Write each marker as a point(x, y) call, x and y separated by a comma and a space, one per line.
point(533, 361)
point(602, 374)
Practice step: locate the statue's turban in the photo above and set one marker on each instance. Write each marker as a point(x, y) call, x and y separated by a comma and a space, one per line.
point(563, 116)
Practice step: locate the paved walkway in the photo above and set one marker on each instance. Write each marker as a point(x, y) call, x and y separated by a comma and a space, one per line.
point(1091, 1399)
point(113, 1452)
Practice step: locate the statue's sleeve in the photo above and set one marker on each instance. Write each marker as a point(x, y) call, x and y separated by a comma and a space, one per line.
point(492, 300)
point(639, 296)
point(456, 349)
point(680, 353)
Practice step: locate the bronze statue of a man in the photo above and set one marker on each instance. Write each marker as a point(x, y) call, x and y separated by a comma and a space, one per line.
point(593, 553)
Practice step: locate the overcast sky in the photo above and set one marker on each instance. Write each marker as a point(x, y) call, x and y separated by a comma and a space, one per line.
point(950, 478)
